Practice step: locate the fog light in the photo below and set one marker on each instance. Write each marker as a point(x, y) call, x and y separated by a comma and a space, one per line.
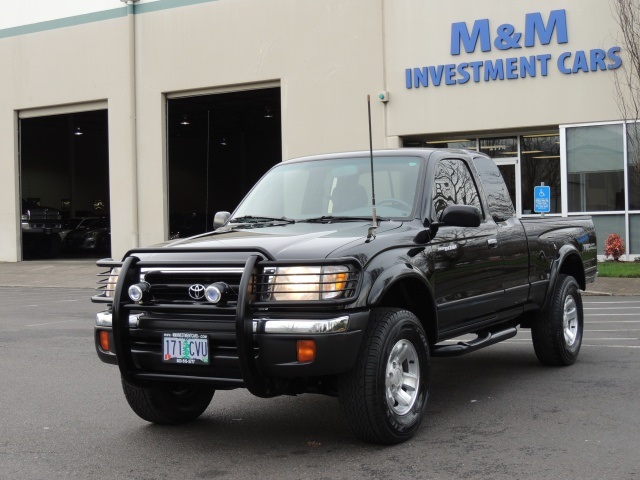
point(137, 291)
point(216, 292)
point(306, 351)
point(104, 340)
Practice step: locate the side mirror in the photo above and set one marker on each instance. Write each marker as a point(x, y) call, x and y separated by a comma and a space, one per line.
point(220, 219)
point(461, 216)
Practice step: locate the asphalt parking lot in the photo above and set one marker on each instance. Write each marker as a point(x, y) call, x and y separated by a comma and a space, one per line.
point(496, 413)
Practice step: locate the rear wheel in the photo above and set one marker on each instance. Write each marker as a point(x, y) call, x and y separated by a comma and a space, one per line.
point(557, 331)
point(168, 404)
point(384, 397)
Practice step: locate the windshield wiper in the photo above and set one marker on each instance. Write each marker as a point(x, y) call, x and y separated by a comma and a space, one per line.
point(260, 219)
point(331, 218)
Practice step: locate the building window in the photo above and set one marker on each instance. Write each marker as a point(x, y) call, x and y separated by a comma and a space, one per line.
point(540, 162)
point(633, 245)
point(605, 226)
point(595, 167)
point(499, 147)
point(633, 160)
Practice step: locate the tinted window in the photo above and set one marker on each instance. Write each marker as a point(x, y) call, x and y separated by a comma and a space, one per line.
point(498, 198)
point(454, 185)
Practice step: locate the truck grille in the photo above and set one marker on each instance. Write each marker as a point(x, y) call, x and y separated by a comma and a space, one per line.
point(172, 286)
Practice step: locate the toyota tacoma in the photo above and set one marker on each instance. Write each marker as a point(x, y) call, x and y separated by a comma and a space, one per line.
point(326, 280)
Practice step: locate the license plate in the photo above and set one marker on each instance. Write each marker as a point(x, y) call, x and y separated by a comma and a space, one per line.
point(187, 348)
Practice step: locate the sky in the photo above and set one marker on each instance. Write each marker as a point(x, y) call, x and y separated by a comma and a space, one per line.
point(15, 13)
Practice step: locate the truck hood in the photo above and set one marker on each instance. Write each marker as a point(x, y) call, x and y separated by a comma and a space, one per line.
point(289, 241)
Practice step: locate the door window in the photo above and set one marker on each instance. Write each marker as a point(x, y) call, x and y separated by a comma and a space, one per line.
point(454, 185)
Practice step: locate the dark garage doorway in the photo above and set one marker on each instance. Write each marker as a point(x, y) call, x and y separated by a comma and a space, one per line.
point(218, 146)
point(64, 185)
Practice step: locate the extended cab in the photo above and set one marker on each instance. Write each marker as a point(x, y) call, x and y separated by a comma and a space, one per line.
point(300, 290)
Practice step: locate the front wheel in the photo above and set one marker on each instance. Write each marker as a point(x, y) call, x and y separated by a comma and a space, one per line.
point(557, 331)
point(168, 404)
point(384, 397)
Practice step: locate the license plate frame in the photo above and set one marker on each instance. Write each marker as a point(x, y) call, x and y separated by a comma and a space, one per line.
point(185, 348)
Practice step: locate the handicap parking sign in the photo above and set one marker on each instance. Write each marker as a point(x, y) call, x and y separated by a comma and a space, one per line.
point(542, 199)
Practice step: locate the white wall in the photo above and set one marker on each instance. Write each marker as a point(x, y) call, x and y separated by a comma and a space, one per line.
point(325, 55)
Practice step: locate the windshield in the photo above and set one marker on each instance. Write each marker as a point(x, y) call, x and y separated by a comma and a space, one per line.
point(337, 187)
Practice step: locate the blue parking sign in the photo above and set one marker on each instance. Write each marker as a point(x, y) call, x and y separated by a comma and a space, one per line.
point(542, 199)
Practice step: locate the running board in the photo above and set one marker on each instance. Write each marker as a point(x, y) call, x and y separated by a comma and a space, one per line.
point(462, 348)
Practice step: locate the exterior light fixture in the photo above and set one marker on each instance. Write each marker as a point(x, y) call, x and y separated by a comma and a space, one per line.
point(185, 120)
point(223, 142)
point(78, 132)
point(267, 113)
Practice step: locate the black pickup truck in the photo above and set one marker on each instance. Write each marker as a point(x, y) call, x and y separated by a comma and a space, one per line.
point(300, 290)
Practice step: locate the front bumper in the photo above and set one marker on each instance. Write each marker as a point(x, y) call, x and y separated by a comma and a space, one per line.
point(274, 341)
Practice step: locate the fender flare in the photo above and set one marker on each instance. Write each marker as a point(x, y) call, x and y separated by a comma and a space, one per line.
point(565, 252)
point(391, 276)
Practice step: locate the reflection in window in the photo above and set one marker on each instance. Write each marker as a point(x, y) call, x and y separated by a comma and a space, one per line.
point(497, 192)
point(454, 185)
point(499, 147)
point(633, 160)
point(540, 162)
point(508, 173)
point(595, 162)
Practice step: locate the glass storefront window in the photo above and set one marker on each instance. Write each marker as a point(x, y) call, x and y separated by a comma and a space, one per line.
point(499, 147)
point(463, 143)
point(540, 162)
point(633, 160)
point(633, 245)
point(595, 166)
point(605, 226)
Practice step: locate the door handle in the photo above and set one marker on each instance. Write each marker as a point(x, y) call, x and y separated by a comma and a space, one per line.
point(492, 242)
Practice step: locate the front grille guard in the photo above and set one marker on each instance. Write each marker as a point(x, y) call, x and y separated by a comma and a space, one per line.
point(247, 303)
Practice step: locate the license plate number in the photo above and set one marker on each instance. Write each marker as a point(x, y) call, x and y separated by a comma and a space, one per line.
point(187, 348)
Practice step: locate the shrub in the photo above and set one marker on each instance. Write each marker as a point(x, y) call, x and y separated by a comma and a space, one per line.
point(614, 246)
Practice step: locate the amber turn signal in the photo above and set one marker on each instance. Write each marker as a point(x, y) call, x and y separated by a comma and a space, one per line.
point(104, 340)
point(306, 351)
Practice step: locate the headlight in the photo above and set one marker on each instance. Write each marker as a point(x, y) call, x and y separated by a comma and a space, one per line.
point(306, 283)
point(110, 287)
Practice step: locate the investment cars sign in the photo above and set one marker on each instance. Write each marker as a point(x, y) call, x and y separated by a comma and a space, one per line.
point(466, 38)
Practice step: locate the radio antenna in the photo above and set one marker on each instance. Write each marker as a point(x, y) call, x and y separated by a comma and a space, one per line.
point(371, 233)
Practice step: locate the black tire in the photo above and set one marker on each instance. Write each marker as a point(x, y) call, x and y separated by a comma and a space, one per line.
point(369, 393)
point(557, 331)
point(168, 404)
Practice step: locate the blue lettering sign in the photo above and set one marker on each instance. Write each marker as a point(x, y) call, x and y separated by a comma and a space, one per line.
point(506, 37)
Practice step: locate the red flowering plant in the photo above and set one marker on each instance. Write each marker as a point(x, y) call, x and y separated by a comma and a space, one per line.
point(614, 246)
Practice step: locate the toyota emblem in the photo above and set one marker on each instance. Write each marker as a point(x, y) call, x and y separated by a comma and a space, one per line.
point(196, 291)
